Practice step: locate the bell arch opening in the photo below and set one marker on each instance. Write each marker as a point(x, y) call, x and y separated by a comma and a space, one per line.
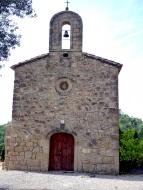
point(66, 36)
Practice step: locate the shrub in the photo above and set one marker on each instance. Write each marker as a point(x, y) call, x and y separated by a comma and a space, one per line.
point(2, 147)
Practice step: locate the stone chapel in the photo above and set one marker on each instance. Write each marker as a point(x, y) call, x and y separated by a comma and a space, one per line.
point(65, 107)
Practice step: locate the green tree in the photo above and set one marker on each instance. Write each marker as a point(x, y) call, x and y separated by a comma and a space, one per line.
point(2, 147)
point(127, 122)
point(129, 149)
point(131, 142)
point(8, 36)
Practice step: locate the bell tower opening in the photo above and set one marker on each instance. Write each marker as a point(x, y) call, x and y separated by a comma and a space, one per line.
point(65, 32)
point(66, 36)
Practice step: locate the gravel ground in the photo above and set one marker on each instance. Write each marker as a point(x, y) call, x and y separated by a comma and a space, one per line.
point(16, 180)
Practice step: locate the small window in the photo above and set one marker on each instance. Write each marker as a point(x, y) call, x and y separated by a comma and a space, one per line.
point(64, 85)
point(66, 36)
point(65, 54)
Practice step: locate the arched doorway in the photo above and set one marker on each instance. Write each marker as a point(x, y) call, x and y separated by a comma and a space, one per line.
point(61, 152)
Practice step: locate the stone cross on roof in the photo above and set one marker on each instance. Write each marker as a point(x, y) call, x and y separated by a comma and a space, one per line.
point(67, 2)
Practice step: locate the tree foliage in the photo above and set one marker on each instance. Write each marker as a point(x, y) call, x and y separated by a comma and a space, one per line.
point(131, 142)
point(2, 134)
point(8, 36)
point(127, 122)
point(131, 147)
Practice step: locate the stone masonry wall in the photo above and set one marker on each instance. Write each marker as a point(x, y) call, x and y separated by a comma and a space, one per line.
point(89, 108)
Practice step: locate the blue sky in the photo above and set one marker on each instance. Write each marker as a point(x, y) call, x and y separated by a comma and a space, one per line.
point(112, 29)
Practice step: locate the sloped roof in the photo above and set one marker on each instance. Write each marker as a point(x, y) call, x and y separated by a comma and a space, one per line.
point(30, 60)
point(103, 60)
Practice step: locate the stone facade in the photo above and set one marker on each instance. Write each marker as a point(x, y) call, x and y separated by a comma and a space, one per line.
point(88, 105)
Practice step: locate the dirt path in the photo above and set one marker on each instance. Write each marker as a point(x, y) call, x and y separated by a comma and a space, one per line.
point(18, 180)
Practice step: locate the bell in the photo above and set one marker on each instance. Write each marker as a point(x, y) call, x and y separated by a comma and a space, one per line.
point(66, 35)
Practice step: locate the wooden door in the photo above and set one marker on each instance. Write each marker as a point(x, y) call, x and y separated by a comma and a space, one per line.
point(61, 152)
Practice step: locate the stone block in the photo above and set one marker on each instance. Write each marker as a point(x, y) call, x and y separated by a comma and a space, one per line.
point(20, 158)
point(36, 149)
point(108, 160)
point(28, 154)
point(111, 152)
point(13, 158)
point(34, 168)
point(29, 144)
point(85, 166)
point(18, 149)
point(21, 153)
point(86, 150)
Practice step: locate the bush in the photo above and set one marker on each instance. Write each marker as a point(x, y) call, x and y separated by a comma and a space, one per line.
point(131, 143)
point(2, 147)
